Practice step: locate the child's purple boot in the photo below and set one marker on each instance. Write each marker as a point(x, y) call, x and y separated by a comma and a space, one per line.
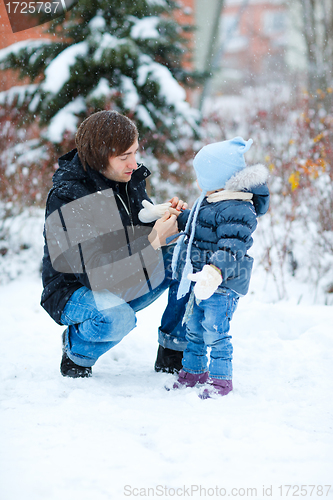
point(186, 379)
point(216, 387)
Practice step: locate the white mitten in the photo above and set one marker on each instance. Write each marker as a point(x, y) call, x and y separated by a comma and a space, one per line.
point(207, 281)
point(151, 212)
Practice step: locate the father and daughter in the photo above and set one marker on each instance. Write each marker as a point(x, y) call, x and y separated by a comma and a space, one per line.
point(205, 272)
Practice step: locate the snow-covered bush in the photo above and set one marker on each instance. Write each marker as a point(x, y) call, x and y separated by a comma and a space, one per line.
point(24, 161)
point(21, 243)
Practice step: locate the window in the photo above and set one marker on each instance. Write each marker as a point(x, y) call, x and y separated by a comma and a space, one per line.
point(275, 22)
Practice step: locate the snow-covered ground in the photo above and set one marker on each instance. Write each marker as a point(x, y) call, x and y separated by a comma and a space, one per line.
point(120, 434)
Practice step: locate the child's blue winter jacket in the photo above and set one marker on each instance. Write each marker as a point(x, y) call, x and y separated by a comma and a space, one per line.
point(223, 232)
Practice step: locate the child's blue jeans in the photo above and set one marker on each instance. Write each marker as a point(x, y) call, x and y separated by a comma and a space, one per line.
point(98, 321)
point(208, 326)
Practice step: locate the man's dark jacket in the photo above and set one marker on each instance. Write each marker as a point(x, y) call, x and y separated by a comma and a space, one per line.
point(71, 182)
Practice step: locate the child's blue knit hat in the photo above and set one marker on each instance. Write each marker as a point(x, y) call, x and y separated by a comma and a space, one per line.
point(214, 165)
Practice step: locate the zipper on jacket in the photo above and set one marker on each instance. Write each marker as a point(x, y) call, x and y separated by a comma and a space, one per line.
point(128, 209)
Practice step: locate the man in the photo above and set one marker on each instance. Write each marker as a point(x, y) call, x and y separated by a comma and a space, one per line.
point(101, 264)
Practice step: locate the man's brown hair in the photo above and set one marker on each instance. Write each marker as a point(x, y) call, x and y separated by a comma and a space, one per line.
point(104, 134)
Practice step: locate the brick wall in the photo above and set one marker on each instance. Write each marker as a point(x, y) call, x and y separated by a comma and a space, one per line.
point(10, 78)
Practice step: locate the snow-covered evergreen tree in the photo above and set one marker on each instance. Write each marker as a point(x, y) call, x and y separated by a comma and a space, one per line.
point(125, 55)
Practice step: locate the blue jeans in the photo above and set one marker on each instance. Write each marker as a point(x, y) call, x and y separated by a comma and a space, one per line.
point(208, 326)
point(100, 320)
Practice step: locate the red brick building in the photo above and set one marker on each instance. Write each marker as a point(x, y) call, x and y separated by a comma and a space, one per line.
point(253, 38)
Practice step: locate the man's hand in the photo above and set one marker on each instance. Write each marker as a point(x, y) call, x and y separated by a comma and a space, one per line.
point(150, 212)
point(163, 228)
point(177, 204)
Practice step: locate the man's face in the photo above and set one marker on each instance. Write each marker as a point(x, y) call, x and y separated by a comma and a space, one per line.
point(121, 167)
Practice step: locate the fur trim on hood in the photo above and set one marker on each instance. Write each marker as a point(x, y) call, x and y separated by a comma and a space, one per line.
point(229, 195)
point(247, 178)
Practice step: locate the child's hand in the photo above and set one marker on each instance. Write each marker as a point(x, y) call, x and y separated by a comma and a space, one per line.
point(178, 204)
point(151, 212)
point(207, 281)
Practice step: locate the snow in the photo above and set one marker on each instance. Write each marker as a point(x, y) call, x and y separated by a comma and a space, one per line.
point(24, 44)
point(18, 92)
point(169, 90)
point(161, 3)
point(101, 438)
point(24, 153)
point(103, 89)
point(57, 72)
point(97, 23)
point(169, 87)
point(130, 95)
point(143, 115)
point(105, 41)
point(34, 102)
point(145, 28)
point(65, 119)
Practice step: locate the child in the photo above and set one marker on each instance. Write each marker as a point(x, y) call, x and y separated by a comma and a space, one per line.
point(215, 243)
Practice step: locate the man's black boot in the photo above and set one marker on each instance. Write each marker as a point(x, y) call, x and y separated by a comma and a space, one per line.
point(168, 360)
point(70, 369)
